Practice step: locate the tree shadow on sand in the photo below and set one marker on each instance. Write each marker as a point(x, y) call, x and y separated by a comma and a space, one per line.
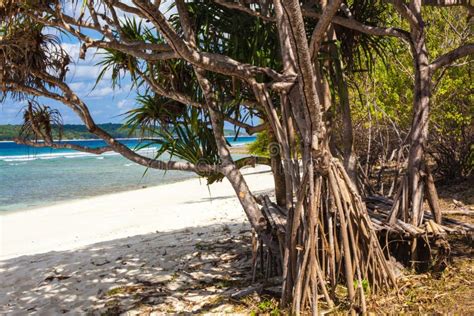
point(179, 271)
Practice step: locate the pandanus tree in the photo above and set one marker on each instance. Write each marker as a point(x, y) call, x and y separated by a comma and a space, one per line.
point(216, 61)
point(418, 181)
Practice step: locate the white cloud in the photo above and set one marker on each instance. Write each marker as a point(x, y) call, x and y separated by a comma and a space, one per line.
point(104, 90)
point(125, 105)
point(78, 86)
point(101, 92)
point(72, 49)
point(88, 72)
point(122, 103)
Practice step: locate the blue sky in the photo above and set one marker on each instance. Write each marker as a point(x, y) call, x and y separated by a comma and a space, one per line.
point(105, 103)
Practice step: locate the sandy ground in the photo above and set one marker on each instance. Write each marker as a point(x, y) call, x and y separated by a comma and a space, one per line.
point(76, 257)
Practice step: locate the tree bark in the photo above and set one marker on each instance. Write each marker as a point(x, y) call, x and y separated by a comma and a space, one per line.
point(432, 197)
point(421, 106)
point(277, 170)
point(350, 159)
point(228, 167)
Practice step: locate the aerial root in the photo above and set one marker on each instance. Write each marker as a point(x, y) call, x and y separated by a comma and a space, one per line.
point(330, 241)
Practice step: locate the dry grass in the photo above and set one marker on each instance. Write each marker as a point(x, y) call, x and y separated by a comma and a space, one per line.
point(451, 291)
point(447, 292)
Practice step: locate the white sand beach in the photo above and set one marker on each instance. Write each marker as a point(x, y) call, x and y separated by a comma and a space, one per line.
point(67, 257)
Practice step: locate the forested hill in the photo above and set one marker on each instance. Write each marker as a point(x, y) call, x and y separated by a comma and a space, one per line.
point(8, 132)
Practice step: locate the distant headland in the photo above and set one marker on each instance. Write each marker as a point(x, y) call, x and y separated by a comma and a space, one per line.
point(77, 131)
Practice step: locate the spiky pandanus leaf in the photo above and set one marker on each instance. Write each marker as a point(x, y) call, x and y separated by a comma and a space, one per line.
point(257, 45)
point(358, 50)
point(152, 112)
point(119, 63)
point(192, 140)
point(25, 52)
point(41, 122)
point(184, 134)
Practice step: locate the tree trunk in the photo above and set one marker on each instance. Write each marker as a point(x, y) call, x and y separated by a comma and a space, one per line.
point(432, 197)
point(228, 167)
point(277, 170)
point(414, 189)
point(419, 131)
point(329, 237)
point(349, 157)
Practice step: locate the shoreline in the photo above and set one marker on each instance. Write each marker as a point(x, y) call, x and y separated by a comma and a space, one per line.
point(240, 149)
point(99, 139)
point(48, 204)
point(77, 223)
point(58, 153)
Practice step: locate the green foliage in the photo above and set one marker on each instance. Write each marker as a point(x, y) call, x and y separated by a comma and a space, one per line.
point(218, 26)
point(39, 122)
point(260, 146)
point(267, 306)
point(186, 135)
point(451, 143)
point(70, 131)
point(8, 132)
point(217, 33)
point(382, 100)
point(190, 139)
point(365, 286)
point(358, 50)
point(120, 63)
point(153, 110)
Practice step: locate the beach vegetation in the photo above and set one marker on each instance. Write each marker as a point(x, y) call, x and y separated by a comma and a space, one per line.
point(357, 101)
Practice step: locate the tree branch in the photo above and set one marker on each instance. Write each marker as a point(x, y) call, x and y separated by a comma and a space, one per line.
point(133, 48)
point(239, 7)
point(363, 28)
point(247, 127)
point(71, 100)
point(322, 26)
point(405, 12)
point(345, 22)
point(449, 58)
point(208, 61)
point(228, 167)
point(447, 3)
point(91, 150)
point(306, 78)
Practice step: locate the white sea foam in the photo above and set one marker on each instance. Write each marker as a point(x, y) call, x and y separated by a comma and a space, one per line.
point(69, 155)
point(19, 159)
point(148, 151)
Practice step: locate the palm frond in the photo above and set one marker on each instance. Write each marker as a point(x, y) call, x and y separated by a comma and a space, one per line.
point(26, 51)
point(41, 122)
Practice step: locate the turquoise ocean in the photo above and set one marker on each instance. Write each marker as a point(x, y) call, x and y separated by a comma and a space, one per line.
point(34, 177)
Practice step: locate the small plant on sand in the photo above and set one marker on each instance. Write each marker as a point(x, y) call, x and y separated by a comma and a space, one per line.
point(268, 306)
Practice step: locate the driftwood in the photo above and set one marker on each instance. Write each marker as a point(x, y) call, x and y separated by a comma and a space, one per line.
point(328, 246)
point(379, 208)
point(459, 212)
point(336, 241)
